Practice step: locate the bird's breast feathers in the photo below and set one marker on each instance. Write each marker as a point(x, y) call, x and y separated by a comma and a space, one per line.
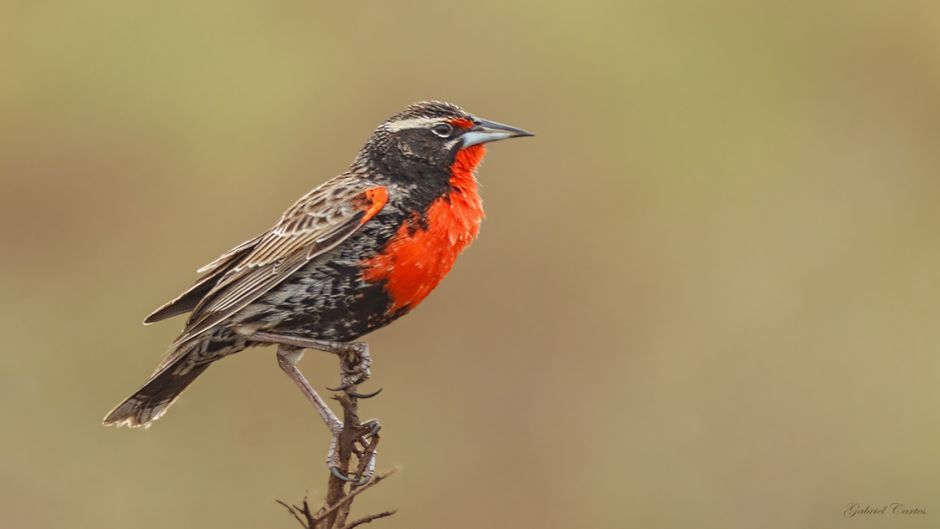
point(424, 248)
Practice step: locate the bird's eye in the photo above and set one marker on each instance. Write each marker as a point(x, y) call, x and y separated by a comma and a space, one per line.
point(443, 130)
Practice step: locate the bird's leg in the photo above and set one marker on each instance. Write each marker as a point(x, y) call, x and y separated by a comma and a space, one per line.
point(354, 357)
point(287, 358)
point(288, 354)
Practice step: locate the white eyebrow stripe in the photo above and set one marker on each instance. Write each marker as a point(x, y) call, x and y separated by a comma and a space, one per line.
point(412, 123)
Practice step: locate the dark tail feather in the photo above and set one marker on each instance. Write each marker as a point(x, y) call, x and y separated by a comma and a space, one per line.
point(151, 401)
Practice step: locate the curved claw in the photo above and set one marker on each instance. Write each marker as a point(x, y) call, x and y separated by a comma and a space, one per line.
point(339, 474)
point(356, 394)
point(364, 395)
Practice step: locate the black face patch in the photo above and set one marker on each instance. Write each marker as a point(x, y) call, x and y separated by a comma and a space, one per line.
point(422, 145)
point(416, 155)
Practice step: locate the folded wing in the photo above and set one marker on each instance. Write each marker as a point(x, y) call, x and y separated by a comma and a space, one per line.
point(317, 223)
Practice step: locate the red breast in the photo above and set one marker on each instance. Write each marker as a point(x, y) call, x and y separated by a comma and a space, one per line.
point(422, 253)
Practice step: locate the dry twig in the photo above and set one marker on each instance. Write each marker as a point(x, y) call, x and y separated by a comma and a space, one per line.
point(367, 519)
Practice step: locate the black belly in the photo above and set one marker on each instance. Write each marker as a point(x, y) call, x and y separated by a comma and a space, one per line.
point(325, 300)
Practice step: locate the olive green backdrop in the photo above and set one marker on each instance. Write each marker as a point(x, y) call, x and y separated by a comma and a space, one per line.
point(705, 294)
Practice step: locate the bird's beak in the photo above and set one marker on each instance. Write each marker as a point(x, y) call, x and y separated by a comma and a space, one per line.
point(485, 131)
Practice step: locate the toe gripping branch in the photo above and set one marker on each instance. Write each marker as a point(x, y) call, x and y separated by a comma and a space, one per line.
point(355, 368)
point(359, 438)
point(355, 438)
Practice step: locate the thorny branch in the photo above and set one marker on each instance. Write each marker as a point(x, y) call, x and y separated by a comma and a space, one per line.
point(340, 494)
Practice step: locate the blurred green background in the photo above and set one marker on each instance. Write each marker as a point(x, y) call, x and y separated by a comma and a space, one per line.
point(705, 294)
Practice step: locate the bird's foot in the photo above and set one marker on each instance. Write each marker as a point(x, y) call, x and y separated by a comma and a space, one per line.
point(355, 364)
point(367, 438)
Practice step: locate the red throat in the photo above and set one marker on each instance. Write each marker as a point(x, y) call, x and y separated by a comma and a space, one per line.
point(422, 253)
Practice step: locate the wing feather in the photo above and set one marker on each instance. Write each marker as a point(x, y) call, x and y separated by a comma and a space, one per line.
point(213, 271)
point(306, 230)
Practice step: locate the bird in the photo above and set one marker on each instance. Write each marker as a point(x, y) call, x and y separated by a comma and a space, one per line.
point(349, 257)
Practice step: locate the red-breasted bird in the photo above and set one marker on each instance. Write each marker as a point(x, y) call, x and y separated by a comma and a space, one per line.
point(349, 257)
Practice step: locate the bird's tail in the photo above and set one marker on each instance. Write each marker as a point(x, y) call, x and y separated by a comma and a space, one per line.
point(151, 401)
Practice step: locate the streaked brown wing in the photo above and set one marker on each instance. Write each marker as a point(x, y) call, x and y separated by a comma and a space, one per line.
point(213, 271)
point(318, 222)
point(232, 255)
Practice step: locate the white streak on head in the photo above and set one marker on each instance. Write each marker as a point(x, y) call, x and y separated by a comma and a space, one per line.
point(411, 123)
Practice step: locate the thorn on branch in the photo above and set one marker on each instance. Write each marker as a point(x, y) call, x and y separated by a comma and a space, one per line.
point(297, 512)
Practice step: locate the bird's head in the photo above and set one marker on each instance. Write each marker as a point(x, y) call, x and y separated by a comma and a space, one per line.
point(428, 136)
